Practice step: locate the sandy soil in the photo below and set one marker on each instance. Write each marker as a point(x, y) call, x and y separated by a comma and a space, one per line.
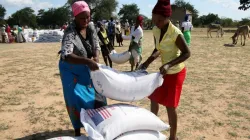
point(214, 103)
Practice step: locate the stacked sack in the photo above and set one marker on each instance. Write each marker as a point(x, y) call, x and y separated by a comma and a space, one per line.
point(31, 35)
point(123, 121)
point(49, 36)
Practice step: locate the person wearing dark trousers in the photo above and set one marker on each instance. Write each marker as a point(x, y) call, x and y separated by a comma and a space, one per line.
point(111, 31)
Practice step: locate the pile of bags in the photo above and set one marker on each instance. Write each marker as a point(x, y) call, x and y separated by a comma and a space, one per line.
point(49, 36)
point(31, 35)
point(122, 121)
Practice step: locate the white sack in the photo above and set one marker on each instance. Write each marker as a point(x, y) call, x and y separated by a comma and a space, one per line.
point(142, 135)
point(119, 58)
point(125, 86)
point(111, 121)
point(126, 37)
point(70, 138)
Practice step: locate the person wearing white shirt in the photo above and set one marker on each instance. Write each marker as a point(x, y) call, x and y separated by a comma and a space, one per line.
point(186, 30)
point(136, 43)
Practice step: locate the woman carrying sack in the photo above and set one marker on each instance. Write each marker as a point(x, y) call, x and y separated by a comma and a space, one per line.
point(79, 55)
point(171, 46)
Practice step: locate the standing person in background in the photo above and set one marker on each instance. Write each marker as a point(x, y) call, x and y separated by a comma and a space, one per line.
point(8, 31)
point(127, 28)
point(118, 34)
point(79, 56)
point(19, 34)
point(111, 31)
point(3, 34)
point(106, 46)
point(186, 29)
point(135, 46)
point(171, 46)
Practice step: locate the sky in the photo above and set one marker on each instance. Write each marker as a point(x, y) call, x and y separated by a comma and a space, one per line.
point(224, 8)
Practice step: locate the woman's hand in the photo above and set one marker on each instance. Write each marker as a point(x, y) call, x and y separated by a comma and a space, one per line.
point(164, 69)
point(92, 65)
point(96, 59)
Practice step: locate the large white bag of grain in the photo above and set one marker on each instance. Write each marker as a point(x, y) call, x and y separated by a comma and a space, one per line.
point(125, 86)
point(70, 138)
point(120, 58)
point(124, 37)
point(142, 135)
point(111, 121)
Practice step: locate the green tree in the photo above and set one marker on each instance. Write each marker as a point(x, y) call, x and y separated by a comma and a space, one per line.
point(227, 22)
point(210, 18)
point(244, 21)
point(2, 12)
point(244, 4)
point(191, 8)
point(105, 10)
point(129, 12)
point(25, 16)
point(53, 16)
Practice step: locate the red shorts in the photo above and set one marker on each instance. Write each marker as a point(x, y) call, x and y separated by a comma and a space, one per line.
point(169, 93)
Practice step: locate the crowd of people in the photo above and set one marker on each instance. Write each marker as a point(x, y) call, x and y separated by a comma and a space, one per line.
point(82, 43)
point(11, 35)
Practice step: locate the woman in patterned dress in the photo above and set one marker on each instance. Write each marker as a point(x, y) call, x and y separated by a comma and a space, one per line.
point(79, 54)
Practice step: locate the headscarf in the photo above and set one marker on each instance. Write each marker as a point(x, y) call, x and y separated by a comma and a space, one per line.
point(140, 20)
point(163, 7)
point(79, 7)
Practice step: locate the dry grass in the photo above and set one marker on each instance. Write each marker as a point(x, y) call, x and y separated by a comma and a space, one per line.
point(214, 103)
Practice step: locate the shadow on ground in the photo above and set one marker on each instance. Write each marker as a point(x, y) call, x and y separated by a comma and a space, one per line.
point(48, 135)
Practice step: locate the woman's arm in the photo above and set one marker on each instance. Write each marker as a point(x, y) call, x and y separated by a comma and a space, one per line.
point(185, 54)
point(68, 55)
point(74, 59)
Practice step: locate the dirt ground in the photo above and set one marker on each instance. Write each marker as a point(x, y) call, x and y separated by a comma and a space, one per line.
point(214, 103)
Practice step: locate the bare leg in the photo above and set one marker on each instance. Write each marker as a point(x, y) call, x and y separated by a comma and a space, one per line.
point(77, 132)
point(154, 107)
point(132, 67)
point(172, 118)
point(137, 65)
